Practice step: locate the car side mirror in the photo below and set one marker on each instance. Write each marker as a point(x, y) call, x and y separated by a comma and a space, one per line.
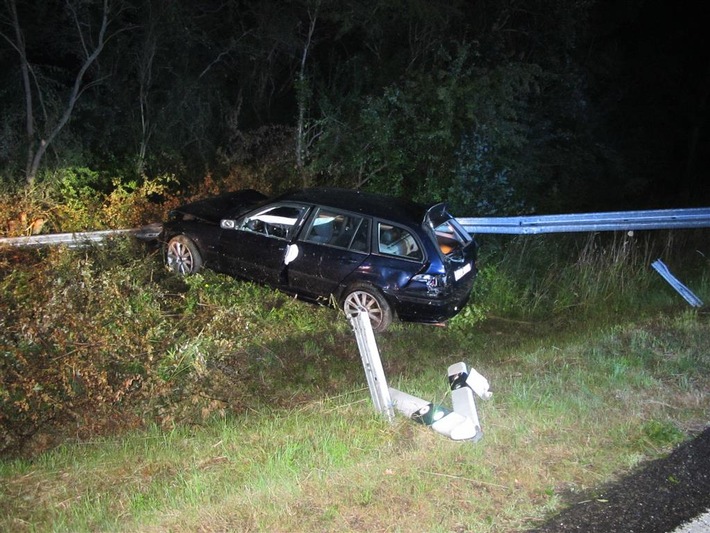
point(228, 223)
point(291, 253)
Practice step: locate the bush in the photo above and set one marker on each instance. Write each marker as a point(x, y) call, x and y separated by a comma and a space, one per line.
point(81, 332)
point(79, 199)
point(99, 338)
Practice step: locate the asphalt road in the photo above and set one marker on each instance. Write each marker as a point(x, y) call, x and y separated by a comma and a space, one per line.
point(661, 496)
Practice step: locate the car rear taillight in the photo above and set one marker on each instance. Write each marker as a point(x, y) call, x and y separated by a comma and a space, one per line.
point(435, 283)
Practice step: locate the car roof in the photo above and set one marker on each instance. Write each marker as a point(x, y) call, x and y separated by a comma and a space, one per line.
point(377, 205)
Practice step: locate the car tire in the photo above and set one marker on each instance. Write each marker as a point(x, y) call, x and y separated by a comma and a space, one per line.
point(363, 297)
point(182, 255)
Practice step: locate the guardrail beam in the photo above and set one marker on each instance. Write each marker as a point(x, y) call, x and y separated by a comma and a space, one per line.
point(590, 222)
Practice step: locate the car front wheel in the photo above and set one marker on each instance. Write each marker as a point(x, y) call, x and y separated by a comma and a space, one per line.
point(368, 299)
point(182, 256)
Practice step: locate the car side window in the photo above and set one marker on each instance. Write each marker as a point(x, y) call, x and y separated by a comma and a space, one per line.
point(274, 221)
point(343, 230)
point(393, 240)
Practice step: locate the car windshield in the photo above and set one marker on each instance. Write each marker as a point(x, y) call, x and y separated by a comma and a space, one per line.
point(450, 235)
point(274, 221)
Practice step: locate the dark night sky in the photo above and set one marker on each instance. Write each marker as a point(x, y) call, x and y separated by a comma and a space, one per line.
point(666, 72)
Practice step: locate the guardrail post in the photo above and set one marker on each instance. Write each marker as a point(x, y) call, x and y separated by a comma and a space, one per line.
point(372, 364)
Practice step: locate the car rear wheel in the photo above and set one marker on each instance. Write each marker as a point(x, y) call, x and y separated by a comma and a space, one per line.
point(182, 256)
point(366, 298)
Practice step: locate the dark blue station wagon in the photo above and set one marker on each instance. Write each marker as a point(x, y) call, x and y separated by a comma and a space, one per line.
point(387, 256)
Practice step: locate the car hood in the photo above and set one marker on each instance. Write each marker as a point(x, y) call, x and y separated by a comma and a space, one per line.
point(218, 207)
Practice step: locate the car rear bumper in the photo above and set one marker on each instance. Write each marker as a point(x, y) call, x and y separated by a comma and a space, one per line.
point(434, 309)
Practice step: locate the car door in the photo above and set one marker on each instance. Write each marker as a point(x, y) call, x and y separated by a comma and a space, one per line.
point(333, 244)
point(398, 256)
point(254, 247)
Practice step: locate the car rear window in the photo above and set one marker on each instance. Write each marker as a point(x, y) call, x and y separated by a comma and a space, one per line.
point(450, 238)
point(450, 235)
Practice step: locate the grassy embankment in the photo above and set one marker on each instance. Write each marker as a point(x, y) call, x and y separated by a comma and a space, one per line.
point(135, 401)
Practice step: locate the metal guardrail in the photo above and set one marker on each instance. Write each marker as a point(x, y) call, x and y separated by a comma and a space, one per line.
point(594, 222)
point(530, 225)
point(524, 225)
point(590, 222)
point(81, 238)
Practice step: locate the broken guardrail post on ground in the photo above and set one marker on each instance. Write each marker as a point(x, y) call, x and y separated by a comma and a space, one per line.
point(461, 423)
point(372, 364)
point(674, 282)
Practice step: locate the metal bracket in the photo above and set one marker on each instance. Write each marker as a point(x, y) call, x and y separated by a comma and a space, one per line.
point(461, 423)
point(660, 267)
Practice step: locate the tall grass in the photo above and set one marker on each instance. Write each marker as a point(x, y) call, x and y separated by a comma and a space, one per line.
point(593, 275)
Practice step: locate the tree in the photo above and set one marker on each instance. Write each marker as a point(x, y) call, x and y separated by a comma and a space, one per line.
point(17, 41)
point(90, 47)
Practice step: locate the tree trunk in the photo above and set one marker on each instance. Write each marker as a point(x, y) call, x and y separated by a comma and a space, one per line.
point(303, 94)
point(35, 159)
point(27, 87)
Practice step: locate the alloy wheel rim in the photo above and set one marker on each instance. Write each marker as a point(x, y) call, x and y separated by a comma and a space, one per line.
point(179, 258)
point(364, 301)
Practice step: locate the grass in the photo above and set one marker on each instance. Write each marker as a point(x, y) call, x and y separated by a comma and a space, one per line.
point(563, 419)
point(210, 405)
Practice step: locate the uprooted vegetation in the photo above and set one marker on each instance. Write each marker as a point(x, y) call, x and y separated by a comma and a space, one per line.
point(106, 336)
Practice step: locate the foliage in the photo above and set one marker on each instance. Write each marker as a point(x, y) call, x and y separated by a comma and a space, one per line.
point(130, 204)
point(438, 134)
point(596, 275)
point(494, 107)
point(82, 199)
point(481, 185)
point(105, 329)
point(260, 159)
point(66, 341)
point(78, 196)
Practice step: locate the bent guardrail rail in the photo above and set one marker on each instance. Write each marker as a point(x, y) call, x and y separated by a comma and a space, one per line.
point(690, 297)
point(81, 238)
